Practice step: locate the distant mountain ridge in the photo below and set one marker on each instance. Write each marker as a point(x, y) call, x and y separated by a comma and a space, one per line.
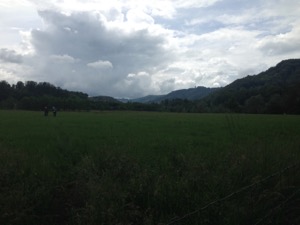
point(188, 94)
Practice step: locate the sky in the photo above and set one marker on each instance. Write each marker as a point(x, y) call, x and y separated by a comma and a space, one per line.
point(133, 48)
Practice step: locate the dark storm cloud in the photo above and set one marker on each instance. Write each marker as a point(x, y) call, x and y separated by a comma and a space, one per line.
point(10, 56)
point(88, 38)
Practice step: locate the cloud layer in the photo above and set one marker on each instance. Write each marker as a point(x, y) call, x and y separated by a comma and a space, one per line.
point(135, 48)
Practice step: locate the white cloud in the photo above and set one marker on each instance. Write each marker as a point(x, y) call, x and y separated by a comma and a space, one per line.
point(194, 3)
point(281, 44)
point(9, 4)
point(100, 65)
point(15, 16)
point(10, 56)
point(63, 59)
point(138, 16)
point(74, 54)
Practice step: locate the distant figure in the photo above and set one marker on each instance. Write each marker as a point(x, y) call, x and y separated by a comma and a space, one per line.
point(54, 111)
point(46, 111)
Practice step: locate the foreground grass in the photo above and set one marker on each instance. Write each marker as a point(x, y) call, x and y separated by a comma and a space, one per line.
point(147, 168)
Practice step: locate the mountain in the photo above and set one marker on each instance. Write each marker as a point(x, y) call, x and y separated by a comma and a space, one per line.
point(189, 94)
point(104, 103)
point(104, 99)
point(147, 99)
point(276, 90)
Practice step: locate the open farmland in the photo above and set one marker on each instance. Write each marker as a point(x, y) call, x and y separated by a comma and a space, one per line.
point(149, 168)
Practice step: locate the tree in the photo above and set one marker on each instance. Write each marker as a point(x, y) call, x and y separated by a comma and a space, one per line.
point(20, 85)
point(5, 90)
point(275, 105)
point(255, 104)
point(30, 87)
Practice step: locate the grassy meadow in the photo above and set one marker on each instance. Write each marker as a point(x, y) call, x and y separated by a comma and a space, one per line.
point(148, 168)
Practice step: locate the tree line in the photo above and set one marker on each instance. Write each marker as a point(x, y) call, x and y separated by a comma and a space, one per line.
point(271, 99)
point(35, 96)
point(274, 91)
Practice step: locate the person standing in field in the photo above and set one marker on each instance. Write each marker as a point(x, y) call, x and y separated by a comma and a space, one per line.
point(46, 111)
point(54, 111)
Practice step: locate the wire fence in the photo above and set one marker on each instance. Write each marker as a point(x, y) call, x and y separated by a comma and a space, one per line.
point(272, 211)
point(243, 189)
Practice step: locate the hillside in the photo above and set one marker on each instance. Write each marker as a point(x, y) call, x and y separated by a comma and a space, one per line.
point(276, 90)
point(188, 94)
point(104, 99)
point(147, 99)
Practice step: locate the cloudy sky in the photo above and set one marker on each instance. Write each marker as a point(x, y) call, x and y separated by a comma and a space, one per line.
point(132, 48)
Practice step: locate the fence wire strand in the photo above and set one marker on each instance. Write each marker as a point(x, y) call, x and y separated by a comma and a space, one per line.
point(277, 207)
point(245, 188)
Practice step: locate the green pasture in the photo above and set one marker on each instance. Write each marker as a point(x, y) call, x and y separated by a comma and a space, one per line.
point(147, 168)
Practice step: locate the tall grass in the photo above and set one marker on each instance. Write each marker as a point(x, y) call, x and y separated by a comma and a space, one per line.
point(147, 168)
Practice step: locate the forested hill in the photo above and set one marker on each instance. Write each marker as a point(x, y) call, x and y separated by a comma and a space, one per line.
point(184, 94)
point(35, 96)
point(276, 90)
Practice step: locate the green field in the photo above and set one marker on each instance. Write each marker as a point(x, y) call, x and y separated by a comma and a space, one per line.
point(148, 168)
